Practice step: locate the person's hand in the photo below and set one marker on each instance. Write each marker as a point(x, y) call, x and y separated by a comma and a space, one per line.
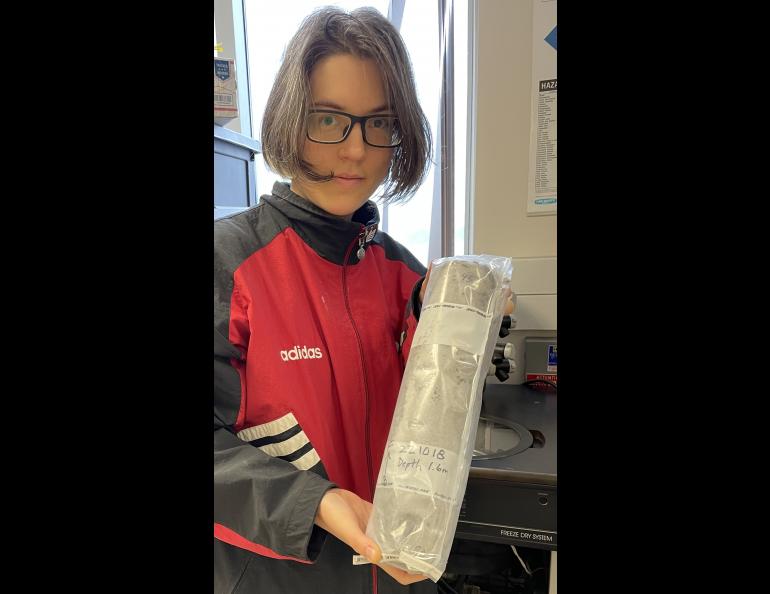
point(425, 283)
point(509, 304)
point(345, 515)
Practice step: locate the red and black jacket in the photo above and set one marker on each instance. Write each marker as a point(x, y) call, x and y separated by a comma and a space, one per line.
point(313, 318)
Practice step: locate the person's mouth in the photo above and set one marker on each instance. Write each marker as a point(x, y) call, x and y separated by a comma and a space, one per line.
point(348, 180)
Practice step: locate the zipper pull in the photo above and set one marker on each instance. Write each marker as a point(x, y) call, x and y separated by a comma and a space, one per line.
point(366, 235)
point(361, 242)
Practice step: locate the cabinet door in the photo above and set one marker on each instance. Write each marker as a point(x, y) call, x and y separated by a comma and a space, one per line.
point(234, 178)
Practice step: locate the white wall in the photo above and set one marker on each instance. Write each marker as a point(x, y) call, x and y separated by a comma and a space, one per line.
point(499, 210)
point(503, 78)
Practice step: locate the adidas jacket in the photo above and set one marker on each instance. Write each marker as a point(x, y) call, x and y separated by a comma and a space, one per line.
point(313, 318)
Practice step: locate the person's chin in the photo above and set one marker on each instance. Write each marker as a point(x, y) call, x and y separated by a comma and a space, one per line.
point(345, 202)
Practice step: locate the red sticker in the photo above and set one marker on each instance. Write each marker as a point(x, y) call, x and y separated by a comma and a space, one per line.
point(551, 377)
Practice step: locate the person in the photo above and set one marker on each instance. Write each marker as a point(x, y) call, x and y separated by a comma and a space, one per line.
point(314, 312)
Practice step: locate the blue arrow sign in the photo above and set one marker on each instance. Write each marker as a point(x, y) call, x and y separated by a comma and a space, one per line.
point(550, 39)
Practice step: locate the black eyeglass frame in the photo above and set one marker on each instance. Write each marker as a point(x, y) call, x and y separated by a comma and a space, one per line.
point(353, 120)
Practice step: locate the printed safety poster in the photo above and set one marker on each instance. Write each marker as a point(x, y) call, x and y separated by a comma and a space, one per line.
point(542, 195)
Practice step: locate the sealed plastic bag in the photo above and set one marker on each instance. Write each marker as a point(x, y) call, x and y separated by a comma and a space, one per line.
point(427, 457)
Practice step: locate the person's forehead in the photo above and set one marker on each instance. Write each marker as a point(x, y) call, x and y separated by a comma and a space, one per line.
point(348, 83)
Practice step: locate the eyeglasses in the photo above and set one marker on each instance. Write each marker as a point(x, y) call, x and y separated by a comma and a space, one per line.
point(333, 127)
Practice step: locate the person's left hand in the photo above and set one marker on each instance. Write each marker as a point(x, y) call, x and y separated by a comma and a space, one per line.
point(345, 515)
point(509, 305)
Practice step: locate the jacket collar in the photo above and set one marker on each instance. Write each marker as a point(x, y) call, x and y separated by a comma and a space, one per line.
point(330, 236)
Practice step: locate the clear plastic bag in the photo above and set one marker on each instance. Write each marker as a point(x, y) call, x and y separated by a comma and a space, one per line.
point(427, 457)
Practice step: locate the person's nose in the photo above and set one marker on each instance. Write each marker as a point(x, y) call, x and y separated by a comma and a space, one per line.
point(354, 147)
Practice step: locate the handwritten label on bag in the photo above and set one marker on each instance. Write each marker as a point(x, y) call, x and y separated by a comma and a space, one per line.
point(420, 468)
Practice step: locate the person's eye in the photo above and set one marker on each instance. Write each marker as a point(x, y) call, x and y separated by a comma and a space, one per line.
point(379, 123)
point(327, 120)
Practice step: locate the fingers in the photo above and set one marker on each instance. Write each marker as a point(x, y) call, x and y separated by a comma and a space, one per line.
point(425, 282)
point(510, 304)
point(370, 550)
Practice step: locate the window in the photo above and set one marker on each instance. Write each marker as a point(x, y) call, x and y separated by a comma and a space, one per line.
point(411, 223)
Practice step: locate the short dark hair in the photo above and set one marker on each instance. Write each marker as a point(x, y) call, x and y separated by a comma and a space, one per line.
point(364, 33)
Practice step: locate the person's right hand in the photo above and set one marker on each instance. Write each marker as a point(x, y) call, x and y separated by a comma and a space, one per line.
point(345, 515)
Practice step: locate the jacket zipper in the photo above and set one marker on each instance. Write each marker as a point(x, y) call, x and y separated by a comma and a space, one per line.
point(366, 383)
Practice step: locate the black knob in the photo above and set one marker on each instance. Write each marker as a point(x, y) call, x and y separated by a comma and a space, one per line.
point(505, 326)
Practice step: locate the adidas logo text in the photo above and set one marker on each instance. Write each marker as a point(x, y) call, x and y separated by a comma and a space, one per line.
point(303, 352)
